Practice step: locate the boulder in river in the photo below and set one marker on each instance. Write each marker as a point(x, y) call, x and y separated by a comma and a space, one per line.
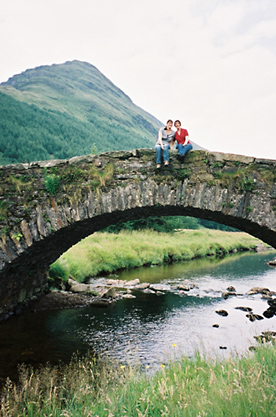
point(128, 296)
point(132, 283)
point(253, 317)
point(159, 287)
point(223, 313)
point(272, 303)
point(142, 286)
point(110, 293)
point(184, 286)
point(269, 313)
point(226, 294)
point(258, 290)
point(247, 309)
point(77, 287)
point(116, 282)
point(149, 291)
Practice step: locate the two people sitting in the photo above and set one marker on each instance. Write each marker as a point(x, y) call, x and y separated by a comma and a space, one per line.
point(166, 140)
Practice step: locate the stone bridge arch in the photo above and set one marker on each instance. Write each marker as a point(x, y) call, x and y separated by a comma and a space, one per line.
point(48, 206)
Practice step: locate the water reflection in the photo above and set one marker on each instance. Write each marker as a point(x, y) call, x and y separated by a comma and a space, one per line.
point(145, 329)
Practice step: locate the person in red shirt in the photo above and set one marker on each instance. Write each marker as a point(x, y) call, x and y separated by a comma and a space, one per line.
point(182, 138)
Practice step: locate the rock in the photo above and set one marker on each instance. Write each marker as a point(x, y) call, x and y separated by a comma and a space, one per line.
point(226, 294)
point(185, 286)
point(223, 313)
point(132, 283)
point(128, 296)
point(148, 291)
point(272, 263)
point(142, 286)
point(110, 293)
point(59, 284)
point(60, 300)
point(258, 290)
point(223, 347)
point(216, 325)
point(272, 302)
point(100, 303)
point(247, 309)
point(266, 297)
point(76, 287)
point(269, 313)
point(260, 248)
point(181, 292)
point(258, 317)
point(116, 282)
point(253, 317)
point(231, 289)
point(159, 287)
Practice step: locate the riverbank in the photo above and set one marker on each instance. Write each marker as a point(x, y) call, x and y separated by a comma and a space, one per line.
point(106, 253)
point(190, 387)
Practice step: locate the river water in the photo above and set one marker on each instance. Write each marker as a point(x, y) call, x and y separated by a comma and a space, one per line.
point(150, 329)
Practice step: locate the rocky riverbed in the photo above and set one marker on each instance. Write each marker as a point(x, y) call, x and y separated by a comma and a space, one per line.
point(101, 292)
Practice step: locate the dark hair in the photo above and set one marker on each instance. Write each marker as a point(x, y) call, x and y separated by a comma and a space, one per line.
point(178, 122)
point(170, 120)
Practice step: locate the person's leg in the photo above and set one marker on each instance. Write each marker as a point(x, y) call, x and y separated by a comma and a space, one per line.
point(166, 154)
point(179, 148)
point(158, 154)
point(186, 149)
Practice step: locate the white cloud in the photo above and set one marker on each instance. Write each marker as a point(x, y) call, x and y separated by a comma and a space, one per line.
point(211, 64)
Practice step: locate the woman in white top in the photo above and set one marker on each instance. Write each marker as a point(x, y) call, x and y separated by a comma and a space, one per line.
point(164, 143)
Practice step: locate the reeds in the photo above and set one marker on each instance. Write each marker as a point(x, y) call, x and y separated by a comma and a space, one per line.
point(188, 387)
point(106, 252)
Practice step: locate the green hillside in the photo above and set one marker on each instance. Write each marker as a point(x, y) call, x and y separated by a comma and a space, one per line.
point(60, 111)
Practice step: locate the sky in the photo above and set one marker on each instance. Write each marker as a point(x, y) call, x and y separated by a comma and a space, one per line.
point(209, 63)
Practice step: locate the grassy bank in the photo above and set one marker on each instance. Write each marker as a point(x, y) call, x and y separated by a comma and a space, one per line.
point(105, 253)
point(189, 387)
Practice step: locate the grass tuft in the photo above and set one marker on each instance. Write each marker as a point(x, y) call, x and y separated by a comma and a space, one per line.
point(187, 387)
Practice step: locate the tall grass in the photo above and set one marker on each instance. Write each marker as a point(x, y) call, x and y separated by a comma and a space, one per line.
point(106, 253)
point(188, 387)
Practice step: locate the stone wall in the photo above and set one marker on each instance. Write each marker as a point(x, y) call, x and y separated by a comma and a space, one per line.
point(46, 207)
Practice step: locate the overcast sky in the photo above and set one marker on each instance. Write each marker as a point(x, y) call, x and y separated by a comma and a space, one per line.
point(209, 63)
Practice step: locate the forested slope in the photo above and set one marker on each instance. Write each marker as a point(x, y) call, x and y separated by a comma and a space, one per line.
point(60, 111)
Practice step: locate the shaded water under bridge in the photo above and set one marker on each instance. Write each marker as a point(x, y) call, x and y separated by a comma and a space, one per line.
point(46, 207)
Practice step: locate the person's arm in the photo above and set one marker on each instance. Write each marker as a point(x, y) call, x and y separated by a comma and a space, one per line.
point(186, 138)
point(172, 142)
point(160, 138)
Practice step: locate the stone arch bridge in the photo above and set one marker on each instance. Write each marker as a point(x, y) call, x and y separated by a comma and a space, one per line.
point(46, 207)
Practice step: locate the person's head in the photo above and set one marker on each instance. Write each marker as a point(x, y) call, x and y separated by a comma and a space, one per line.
point(169, 124)
point(177, 123)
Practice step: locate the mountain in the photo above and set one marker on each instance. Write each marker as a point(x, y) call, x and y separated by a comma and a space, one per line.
point(60, 111)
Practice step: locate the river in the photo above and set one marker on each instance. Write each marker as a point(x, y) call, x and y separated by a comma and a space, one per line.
point(150, 329)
